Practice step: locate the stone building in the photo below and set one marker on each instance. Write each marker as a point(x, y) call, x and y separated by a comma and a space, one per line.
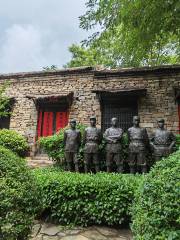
point(44, 101)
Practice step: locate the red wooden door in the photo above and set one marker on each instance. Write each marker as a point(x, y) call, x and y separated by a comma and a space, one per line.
point(50, 122)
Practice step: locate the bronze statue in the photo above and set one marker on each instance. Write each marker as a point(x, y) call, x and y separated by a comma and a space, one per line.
point(113, 137)
point(162, 141)
point(138, 143)
point(91, 139)
point(72, 142)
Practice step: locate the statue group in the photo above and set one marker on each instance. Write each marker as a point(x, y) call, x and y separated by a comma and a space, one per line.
point(160, 144)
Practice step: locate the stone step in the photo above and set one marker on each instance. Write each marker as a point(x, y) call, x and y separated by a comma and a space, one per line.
point(41, 157)
point(40, 161)
point(35, 163)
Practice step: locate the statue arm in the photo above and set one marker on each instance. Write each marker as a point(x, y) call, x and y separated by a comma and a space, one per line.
point(146, 138)
point(117, 137)
point(100, 136)
point(65, 137)
point(173, 141)
point(152, 140)
point(107, 138)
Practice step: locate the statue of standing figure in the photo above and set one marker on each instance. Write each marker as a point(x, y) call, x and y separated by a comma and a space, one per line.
point(162, 141)
point(92, 138)
point(113, 137)
point(138, 143)
point(72, 142)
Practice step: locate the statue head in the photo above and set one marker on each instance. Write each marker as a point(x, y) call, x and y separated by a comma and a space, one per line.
point(73, 123)
point(93, 121)
point(114, 122)
point(161, 123)
point(136, 121)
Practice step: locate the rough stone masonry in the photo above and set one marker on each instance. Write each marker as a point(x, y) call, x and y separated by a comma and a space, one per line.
point(161, 86)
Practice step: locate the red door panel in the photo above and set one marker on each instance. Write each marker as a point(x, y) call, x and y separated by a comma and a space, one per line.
point(45, 126)
point(61, 120)
point(46, 120)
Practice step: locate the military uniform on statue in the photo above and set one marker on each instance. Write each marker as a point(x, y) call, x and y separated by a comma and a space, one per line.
point(113, 137)
point(92, 138)
point(138, 143)
point(162, 141)
point(72, 142)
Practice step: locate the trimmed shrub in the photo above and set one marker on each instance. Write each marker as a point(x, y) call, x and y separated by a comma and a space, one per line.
point(85, 199)
point(156, 210)
point(177, 141)
point(14, 141)
point(19, 197)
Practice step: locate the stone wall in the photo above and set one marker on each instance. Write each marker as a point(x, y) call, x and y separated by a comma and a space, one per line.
point(159, 102)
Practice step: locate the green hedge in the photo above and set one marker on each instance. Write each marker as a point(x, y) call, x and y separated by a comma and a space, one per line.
point(177, 141)
point(19, 198)
point(14, 141)
point(156, 210)
point(85, 199)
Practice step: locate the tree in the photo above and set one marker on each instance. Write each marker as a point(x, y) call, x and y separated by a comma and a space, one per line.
point(132, 33)
point(91, 56)
point(4, 101)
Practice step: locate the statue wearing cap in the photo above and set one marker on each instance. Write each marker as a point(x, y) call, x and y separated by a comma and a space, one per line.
point(72, 142)
point(162, 141)
point(91, 139)
point(113, 136)
point(138, 145)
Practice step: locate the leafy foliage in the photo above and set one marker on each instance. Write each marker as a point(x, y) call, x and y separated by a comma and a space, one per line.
point(156, 209)
point(84, 199)
point(13, 141)
point(4, 101)
point(82, 56)
point(19, 197)
point(177, 141)
point(132, 33)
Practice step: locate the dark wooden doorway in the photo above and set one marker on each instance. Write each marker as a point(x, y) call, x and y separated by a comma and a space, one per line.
point(4, 122)
point(124, 108)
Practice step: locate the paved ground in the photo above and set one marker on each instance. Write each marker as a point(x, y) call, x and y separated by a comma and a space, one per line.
point(42, 231)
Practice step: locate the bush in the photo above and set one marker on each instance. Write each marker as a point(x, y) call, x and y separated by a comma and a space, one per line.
point(18, 197)
point(177, 141)
point(156, 211)
point(85, 199)
point(14, 141)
